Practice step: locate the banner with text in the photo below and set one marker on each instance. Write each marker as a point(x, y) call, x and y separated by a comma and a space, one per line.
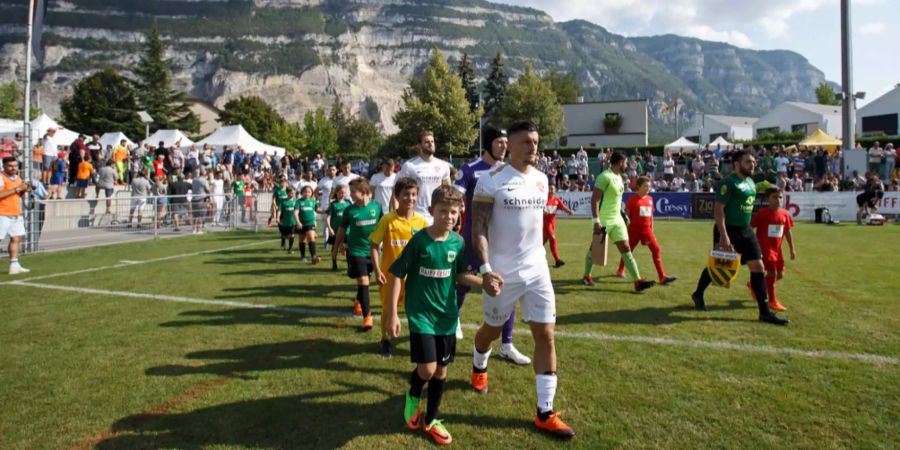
point(841, 205)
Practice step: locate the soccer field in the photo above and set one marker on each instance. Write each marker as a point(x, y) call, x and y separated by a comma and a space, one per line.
point(224, 341)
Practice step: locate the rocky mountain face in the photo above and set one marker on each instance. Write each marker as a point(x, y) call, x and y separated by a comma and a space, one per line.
point(301, 54)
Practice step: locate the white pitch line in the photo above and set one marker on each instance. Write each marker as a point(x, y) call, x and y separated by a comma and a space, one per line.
point(650, 340)
point(134, 263)
point(179, 299)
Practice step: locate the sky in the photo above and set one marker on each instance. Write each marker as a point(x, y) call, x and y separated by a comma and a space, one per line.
point(808, 27)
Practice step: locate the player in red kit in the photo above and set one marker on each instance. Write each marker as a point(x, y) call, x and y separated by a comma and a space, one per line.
point(554, 203)
point(772, 225)
point(639, 209)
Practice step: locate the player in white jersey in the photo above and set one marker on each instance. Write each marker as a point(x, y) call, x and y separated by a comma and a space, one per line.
point(326, 184)
point(507, 233)
point(383, 184)
point(429, 171)
point(346, 176)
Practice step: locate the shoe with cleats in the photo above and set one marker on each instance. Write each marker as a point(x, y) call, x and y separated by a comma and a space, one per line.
point(480, 382)
point(357, 308)
point(436, 430)
point(775, 305)
point(368, 323)
point(643, 285)
point(773, 319)
point(587, 281)
point(666, 280)
point(699, 303)
point(511, 354)
point(411, 414)
point(555, 426)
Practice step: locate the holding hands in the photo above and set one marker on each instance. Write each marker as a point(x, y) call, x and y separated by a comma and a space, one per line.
point(492, 283)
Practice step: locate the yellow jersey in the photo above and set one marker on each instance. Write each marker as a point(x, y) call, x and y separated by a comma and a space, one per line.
point(393, 233)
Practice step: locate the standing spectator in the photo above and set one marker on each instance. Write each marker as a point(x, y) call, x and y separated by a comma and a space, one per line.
point(821, 163)
point(160, 190)
point(12, 222)
point(218, 196)
point(228, 159)
point(677, 184)
point(83, 175)
point(669, 167)
point(795, 184)
point(890, 161)
point(94, 149)
point(177, 157)
point(159, 165)
point(49, 145)
point(76, 155)
point(58, 179)
point(140, 189)
point(698, 166)
point(799, 162)
point(106, 181)
point(781, 164)
point(318, 165)
point(650, 166)
point(179, 188)
point(120, 159)
point(876, 154)
point(581, 154)
point(199, 202)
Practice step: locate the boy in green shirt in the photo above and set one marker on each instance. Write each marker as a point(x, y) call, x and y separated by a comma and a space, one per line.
point(306, 208)
point(287, 219)
point(334, 215)
point(358, 222)
point(432, 263)
point(278, 196)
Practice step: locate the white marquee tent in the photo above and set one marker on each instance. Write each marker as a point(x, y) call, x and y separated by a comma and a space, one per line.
point(43, 123)
point(721, 143)
point(114, 139)
point(169, 138)
point(682, 144)
point(236, 135)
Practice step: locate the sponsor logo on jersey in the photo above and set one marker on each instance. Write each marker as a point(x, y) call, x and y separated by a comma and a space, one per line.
point(536, 202)
point(398, 243)
point(363, 223)
point(434, 273)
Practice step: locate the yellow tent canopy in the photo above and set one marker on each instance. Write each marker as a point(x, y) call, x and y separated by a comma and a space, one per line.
point(821, 139)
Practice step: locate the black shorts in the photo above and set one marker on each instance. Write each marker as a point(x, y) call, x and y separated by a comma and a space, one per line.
point(303, 229)
point(330, 240)
point(285, 230)
point(358, 266)
point(743, 240)
point(867, 199)
point(428, 348)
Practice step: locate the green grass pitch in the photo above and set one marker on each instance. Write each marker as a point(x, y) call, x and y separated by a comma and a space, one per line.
point(95, 367)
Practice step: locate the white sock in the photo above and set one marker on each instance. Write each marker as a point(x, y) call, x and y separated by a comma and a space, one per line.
point(480, 360)
point(14, 262)
point(546, 391)
point(506, 346)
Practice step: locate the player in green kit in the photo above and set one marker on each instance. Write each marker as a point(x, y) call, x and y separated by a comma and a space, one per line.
point(306, 207)
point(278, 196)
point(334, 215)
point(238, 186)
point(609, 187)
point(358, 222)
point(432, 263)
point(287, 218)
point(735, 196)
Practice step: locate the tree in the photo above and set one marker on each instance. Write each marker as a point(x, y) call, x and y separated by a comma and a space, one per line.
point(288, 135)
point(497, 84)
point(825, 95)
point(11, 102)
point(355, 136)
point(566, 86)
point(256, 116)
point(103, 102)
point(531, 98)
point(467, 76)
point(321, 137)
point(437, 102)
point(167, 106)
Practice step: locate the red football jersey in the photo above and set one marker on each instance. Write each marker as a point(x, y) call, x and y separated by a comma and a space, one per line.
point(640, 212)
point(553, 203)
point(770, 228)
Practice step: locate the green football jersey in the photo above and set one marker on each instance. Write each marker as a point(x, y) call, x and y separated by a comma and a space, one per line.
point(278, 196)
point(336, 212)
point(738, 196)
point(430, 268)
point(287, 208)
point(307, 212)
point(238, 186)
point(359, 222)
point(613, 187)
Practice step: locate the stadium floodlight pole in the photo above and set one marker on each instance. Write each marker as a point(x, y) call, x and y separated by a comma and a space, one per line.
point(847, 79)
point(30, 215)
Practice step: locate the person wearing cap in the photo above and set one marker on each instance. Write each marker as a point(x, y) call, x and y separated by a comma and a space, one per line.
point(494, 144)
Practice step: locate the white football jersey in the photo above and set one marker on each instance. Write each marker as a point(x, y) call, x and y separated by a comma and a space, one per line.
point(430, 175)
point(515, 235)
point(383, 188)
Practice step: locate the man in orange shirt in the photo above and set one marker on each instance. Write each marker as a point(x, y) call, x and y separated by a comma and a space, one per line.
point(12, 223)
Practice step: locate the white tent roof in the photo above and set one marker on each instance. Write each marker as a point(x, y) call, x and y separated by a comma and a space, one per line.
point(236, 135)
point(682, 144)
point(169, 138)
point(43, 123)
point(114, 139)
point(721, 142)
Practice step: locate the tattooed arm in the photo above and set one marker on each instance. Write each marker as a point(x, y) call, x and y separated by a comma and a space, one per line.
point(481, 219)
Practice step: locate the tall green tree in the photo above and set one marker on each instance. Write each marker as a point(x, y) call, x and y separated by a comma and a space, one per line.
point(319, 133)
point(168, 107)
point(288, 135)
point(566, 86)
point(531, 98)
point(256, 116)
point(825, 95)
point(437, 102)
point(355, 136)
point(496, 86)
point(467, 76)
point(11, 102)
point(103, 102)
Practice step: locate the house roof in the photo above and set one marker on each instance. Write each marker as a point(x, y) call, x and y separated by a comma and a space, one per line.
point(875, 104)
point(731, 121)
point(825, 110)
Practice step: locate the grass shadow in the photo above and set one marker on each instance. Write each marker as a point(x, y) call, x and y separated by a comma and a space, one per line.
point(651, 315)
point(325, 419)
point(260, 316)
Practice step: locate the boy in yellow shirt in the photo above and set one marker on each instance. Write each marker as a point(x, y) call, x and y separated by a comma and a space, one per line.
point(392, 233)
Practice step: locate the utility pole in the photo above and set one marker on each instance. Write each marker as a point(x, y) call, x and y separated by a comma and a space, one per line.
point(27, 147)
point(849, 100)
